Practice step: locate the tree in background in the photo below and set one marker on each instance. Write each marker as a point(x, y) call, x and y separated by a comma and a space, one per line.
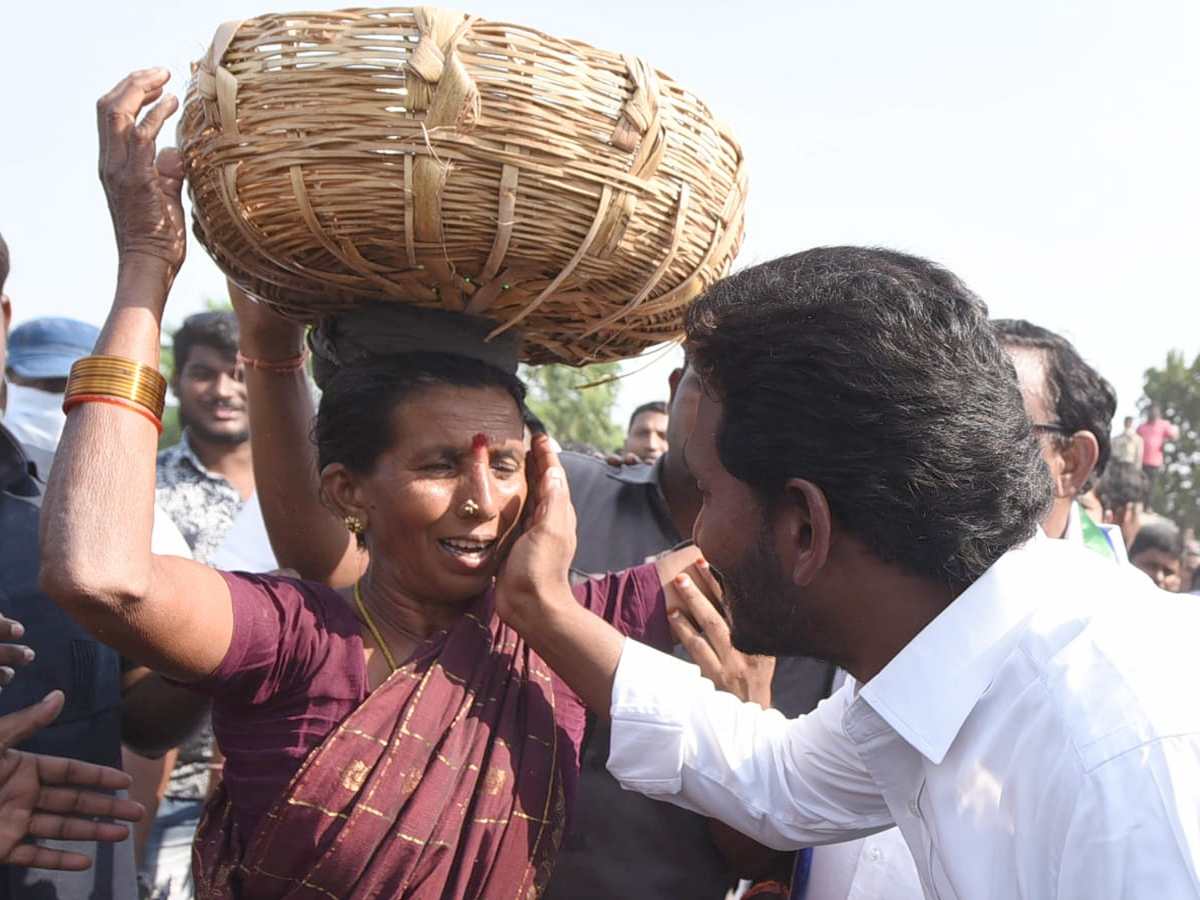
point(1176, 389)
point(576, 404)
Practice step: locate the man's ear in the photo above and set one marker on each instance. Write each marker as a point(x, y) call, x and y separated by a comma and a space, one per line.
point(804, 527)
point(1080, 456)
point(342, 494)
point(6, 307)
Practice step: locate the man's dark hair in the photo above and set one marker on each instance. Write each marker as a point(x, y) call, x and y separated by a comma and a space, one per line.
point(1081, 399)
point(3, 262)
point(1162, 535)
point(218, 329)
point(877, 377)
point(654, 406)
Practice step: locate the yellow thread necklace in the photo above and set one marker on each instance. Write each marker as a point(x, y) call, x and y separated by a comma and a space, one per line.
point(362, 609)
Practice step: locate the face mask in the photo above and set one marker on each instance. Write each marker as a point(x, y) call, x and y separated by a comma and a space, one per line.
point(35, 417)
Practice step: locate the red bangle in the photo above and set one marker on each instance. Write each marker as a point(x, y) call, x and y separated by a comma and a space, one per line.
point(271, 365)
point(71, 402)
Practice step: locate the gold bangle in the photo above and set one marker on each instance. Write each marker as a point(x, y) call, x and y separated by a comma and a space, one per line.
point(116, 376)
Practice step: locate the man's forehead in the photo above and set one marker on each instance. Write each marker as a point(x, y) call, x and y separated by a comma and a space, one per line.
point(702, 438)
point(1031, 376)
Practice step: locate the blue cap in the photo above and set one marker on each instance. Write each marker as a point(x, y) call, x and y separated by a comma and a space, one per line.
point(46, 348)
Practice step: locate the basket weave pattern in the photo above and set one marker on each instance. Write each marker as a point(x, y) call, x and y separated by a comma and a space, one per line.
point(423, 156)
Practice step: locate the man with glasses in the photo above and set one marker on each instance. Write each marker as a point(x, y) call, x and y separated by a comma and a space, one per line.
point(1072, 407)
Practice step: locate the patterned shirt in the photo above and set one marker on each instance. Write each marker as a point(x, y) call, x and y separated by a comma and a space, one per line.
point(202, 504)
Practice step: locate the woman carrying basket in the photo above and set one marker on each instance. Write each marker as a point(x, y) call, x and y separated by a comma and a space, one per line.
point(389, 739)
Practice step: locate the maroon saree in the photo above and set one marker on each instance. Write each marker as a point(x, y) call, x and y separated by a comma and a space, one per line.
point(444, 782)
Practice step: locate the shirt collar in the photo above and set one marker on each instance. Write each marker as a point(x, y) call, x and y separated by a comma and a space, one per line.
point(183, 452)
point(1074, 530)
point(926, 692)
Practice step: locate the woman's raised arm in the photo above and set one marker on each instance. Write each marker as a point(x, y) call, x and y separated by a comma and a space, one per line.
point(304, 534)
point(168, 613)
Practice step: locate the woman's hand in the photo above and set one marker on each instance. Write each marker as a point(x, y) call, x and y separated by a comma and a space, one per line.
point(143, 188)
point(44, 796)
point(702, 630)
point(536, 567)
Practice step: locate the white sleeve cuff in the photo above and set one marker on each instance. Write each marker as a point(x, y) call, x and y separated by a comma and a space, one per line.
point(649, 704)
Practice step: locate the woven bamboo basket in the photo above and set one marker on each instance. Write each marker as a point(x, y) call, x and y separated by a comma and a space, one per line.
point(423, 156)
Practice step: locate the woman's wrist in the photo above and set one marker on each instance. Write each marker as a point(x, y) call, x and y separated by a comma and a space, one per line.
point(284, 342)
point(144, 280)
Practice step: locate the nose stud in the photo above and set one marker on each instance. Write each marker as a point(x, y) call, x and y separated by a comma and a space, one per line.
point(470, 508)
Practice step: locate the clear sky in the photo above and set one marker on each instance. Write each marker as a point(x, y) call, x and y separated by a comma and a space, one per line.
point(1046, 151)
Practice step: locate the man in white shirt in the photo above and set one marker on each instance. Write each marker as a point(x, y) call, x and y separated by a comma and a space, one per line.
point(1019, 707)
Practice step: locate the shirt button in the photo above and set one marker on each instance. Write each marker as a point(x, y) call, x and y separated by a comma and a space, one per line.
point(874, 854)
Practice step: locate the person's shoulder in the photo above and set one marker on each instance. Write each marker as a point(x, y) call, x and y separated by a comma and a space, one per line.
point(587, 472)
point(1112, 655)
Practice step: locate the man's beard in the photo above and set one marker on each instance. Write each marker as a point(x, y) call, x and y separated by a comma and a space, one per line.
point(763, 604)
point(209, 436)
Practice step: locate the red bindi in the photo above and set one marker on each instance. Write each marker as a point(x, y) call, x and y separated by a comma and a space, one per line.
point(479, 442)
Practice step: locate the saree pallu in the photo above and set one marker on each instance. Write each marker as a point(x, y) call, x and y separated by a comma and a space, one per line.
point(444, 782)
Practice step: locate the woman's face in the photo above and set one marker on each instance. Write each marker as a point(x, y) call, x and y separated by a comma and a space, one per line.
point(446, 496)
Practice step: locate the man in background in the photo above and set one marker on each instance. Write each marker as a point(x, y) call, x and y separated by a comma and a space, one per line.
point(1127, 447)
point(647, 436)
point(40, 355)
point(1154, 432)
point(1071, 406)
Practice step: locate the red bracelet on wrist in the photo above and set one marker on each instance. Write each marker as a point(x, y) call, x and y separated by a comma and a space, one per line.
point(274, 365)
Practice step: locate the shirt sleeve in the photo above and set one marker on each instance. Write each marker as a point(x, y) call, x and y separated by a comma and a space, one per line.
point(1134, 831)
point(787, 783)
point(631, 601)
point(284, 630)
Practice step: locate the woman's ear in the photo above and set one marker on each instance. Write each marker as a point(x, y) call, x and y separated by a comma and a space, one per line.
point(805, 529)
point(341, 493)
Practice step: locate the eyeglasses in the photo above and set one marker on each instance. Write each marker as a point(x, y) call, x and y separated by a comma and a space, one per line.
point(1050, 426)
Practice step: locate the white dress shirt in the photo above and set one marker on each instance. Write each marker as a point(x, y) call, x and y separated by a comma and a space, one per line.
point(1039, 739)
point(878, 867)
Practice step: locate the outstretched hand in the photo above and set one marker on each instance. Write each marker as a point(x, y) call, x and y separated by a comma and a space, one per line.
point(143, 187)
point(701, 628)
point(537, 564)
point(47, 797)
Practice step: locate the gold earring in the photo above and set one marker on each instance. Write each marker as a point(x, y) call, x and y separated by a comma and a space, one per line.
point(353, 524)
point(470, 508)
